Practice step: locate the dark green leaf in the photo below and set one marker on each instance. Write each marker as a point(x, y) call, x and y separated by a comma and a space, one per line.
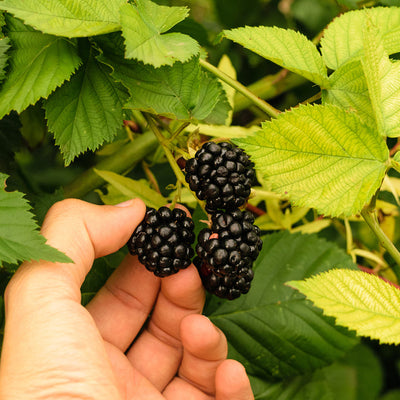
point(19, 238)
point(38, 64)
point(86, 111)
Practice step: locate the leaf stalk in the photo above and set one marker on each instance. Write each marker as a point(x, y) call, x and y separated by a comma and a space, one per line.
point(260, 103)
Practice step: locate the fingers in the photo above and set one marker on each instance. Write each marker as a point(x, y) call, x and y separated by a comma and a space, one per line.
point(158, 351)
point(205, 348)
point(205, 374)
point(123, 304)
point(232, 382)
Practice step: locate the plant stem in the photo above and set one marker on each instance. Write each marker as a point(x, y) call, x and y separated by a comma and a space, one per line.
point(119, 162)
point(165, 145)
point(370, 218)
point(261, 104)
point(269, 87)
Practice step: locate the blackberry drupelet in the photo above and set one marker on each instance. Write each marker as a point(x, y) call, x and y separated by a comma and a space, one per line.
point(226, 253)
point(163, 241)
point(221, 174)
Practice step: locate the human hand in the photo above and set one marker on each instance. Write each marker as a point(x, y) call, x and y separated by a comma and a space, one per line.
point(54, 348)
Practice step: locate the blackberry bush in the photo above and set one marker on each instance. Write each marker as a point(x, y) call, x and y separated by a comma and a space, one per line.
point(163, 241)
point(221, 174)
point(226, 252)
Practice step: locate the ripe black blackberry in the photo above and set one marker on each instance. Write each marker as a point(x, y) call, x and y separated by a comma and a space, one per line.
point(226, 253)
point(225, 286)
point(221, 174)
point(163, 241)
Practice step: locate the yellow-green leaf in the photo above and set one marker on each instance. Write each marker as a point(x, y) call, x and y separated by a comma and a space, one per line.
point(285, 47)
point(358, 300)
point(320, 157)
point(131, 188)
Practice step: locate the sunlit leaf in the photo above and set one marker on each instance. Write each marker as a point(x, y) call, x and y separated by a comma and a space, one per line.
point(144, 27)
point(343, 38)
point(349, 90)
point(70, 18)
point(320, 157)
point(383, 79)
point(131, 188)
point(285, 47)
point(360, 301)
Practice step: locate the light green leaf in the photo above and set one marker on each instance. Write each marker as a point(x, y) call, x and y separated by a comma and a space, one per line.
point(360, 301)
point(343, 38)
point(383, 79)
point(349, 90)
point(144, 28)
point(4, 46)
point(285, 47)
point(320, 157)
point(70, 18)
point(19, 238)
point(131, 188)
point(86, 111)
point(226, 66)
point(272, 330)
point(38, 64)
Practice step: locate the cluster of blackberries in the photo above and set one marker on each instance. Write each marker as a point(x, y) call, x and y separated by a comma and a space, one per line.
point(222, 175)
point(163, 241)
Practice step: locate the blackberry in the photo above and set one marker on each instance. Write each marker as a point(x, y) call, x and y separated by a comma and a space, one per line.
point(221, 174)
point(162, 241)
point(225, 286)
point(226, 253)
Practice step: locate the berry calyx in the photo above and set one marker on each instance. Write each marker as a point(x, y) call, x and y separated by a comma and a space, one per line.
point(163, 241)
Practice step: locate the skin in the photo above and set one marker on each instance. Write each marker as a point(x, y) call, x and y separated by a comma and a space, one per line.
point(54, 348)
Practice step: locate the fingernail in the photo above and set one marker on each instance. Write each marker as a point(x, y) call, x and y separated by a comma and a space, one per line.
point(126, 203)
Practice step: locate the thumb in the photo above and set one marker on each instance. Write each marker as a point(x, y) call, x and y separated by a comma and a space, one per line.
point(84, 231)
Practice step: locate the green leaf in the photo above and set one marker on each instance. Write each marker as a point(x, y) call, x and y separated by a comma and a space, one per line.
point(359, 374)
point(343, 38)
point(38, 64)
point(131, 188)
point(70, 18)
point(383, 79)
point(358, 300)
point(4, 46)
point(144, 28)
point(183, 91)
point(86, 111)
point(19, 237)
point(320, 157)
point(285, 47)
point(272, 330)
point(349, 90)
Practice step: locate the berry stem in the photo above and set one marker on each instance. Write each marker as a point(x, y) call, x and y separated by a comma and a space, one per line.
point(260, 103)
point(370, 218)
point(170, 157)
